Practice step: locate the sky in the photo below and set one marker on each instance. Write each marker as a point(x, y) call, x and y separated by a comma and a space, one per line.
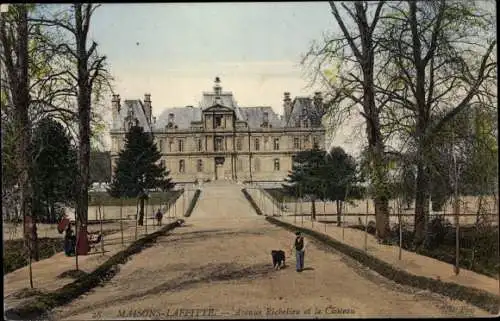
point(174, 51)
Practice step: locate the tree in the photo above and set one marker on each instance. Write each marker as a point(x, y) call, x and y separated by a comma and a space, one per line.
point(137, 170)
point(55, 167)
point(352, 83)
point(87, 75)
point(440, 53)
point(304, 179)
point(14, 62)
point(340, 175)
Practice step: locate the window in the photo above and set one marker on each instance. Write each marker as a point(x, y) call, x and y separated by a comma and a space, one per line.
point(200, 145)
point(276, 144)
point(218, 121)
point(199, 165)
point(256, 164)
point(182, 166)
point(181, 145)
point(276, 164)
point(257, 144)
point(240, 164)
point(162, 163)
point(219, 144)
point(171, 145)
point(296, 143)
point(238, 144)
point(315, 141)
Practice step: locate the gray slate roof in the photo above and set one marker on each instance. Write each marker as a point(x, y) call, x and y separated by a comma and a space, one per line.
point(254, 116)
point(136, 110)
point(304, 107)
point(226, 99)
point(183, 116)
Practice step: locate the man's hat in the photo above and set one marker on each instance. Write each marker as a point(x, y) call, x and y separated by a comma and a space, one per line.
point(297, 233)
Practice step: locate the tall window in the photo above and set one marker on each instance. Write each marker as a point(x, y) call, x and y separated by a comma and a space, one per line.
point(218, 121)
point(315, 141)
point(219, 144)
point(296, 143)
point(256, 164)
point(238, 144)
point(182, 166)
point(200, 145)
point(181, 145)
point(276, 144)
point(160, 145)
point(276, 164)
point(240, 164)
point(199, 165)
point(257, 144)
point(171, 146)
point(162, 163)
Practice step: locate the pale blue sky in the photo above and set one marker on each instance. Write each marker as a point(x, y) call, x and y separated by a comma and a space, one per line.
point(175, 50)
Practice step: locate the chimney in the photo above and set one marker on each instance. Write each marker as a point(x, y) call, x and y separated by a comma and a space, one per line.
point(154, 120)
point(171, 118)
point(287, 106)
point(318, 100)
point(147, 107)
point(115, 106)
point(217, 87)
point(266, 118)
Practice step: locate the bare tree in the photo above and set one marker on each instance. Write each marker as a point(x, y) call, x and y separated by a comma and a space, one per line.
point(14, 59)
point(355, 53)
point(438, 54)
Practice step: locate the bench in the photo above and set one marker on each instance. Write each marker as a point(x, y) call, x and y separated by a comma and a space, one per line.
point(94, 239)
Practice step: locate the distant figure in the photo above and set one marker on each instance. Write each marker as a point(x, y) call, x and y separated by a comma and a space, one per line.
point(299, 246)
point(69, 242)
point(159, 217)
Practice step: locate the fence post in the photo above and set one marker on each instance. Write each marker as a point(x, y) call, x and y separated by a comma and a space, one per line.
point(400, 231)
point(457, 236)
point(101, 212)
point(146, 216)
point(343, 219)
point(121, 219)
point(366, 227)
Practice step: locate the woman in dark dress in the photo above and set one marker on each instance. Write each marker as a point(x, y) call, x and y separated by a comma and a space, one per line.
point(69, 241)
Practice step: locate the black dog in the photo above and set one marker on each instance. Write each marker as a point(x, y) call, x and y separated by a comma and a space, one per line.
point(278, 258)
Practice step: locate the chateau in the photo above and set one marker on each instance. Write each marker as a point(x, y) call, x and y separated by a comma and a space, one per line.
point(219, 140)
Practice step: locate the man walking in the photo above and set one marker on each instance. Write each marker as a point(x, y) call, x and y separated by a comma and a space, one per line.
point(299, 246)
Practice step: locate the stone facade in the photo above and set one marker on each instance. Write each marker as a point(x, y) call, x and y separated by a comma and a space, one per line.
point(221, 141)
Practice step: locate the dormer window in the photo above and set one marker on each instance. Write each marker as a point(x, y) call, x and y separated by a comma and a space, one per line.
point(218, 121)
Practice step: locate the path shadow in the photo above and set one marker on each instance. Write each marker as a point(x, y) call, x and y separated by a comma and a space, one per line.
point(199, 276)
point(308, 269)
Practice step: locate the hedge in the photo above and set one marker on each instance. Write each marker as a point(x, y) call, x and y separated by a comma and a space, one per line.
point(252, 202)
point(38, 307)
point(479, 298)
point(193, 202)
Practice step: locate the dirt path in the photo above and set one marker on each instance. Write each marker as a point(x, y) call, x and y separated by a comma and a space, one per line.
point(220, 261)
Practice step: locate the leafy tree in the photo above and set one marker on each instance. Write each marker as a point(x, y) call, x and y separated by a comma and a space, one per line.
point(340, 175)
point(441, 55)
point(54, 169)
point(304, 179)
point(137, 170)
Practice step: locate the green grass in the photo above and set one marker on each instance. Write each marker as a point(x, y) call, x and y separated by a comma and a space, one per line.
point(15, 254)
point(156, 198)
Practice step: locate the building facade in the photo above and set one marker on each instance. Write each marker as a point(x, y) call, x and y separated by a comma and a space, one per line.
point(219, 140)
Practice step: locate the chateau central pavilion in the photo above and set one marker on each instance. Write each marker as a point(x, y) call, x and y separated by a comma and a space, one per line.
point(219, 140)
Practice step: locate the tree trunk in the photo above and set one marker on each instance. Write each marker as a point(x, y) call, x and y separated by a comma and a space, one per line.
point(313, 212)
point(141, 212)
point(339, 212)
point(422, 197)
